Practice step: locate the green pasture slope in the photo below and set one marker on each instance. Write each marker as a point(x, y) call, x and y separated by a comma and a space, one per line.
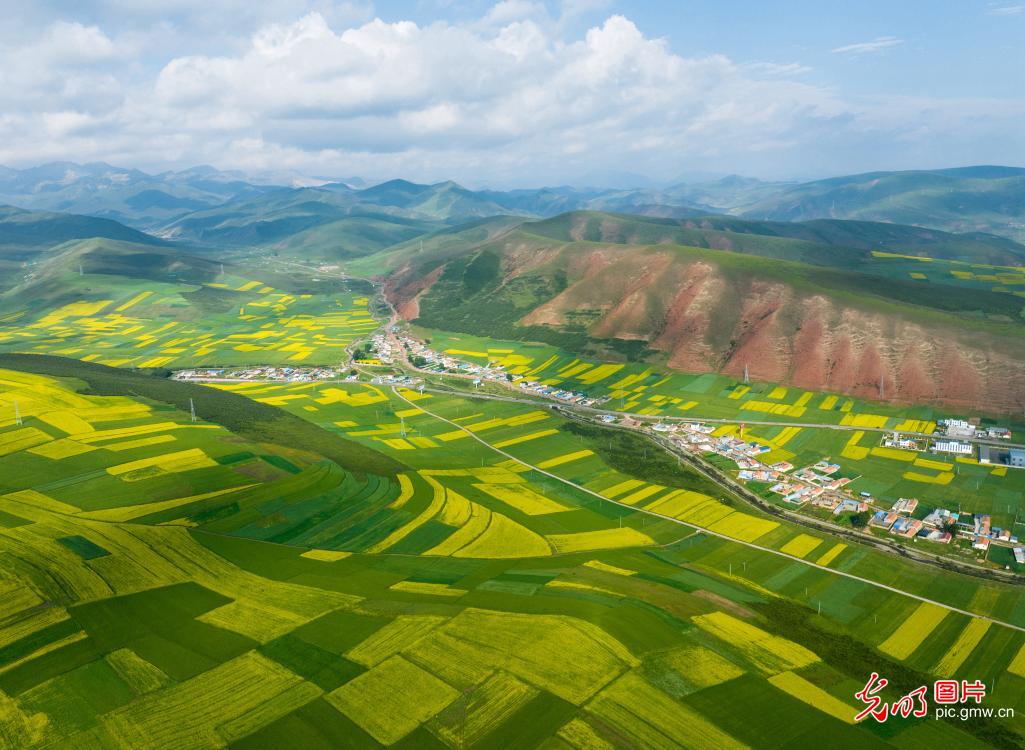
point(135, 307)
point(170, 583)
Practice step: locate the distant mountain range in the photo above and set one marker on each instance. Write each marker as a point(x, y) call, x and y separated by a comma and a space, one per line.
point(694, 275)
point(204, 204)
point(970, 199)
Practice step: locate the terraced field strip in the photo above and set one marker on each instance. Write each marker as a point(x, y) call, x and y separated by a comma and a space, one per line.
point(710, 532)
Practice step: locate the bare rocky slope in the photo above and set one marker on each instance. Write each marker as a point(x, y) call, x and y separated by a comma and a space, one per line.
point(707, 310)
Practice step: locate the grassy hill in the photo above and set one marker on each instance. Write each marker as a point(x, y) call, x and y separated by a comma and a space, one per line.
point(822, 242)
point(171, 583)
point(28, 237)
point(986, 199)
point(352, 237)
point(139, 306)
point(22, 230)
point(370, 219)
point(956, 336)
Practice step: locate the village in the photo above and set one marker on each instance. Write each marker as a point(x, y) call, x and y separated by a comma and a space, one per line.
point(821, 486)
point(423, 358)
point(271, 373)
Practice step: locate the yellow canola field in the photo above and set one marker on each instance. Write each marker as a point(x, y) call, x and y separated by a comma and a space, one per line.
point(21, 439)
point(66, 421)
point(622, 487)
point(641, 494)
point(597, 540)
point(522, 498)
point(186, 460)
point(916, 425)
point(915, 629)
point(943, 477)
point(702, 667)
point(831, 554)
point(568, 458)
point(814, 696)
point(398, 634)
point(606, 568)
point(599, 373)
point(325, 555)
point(503, 539)
point(852, 450)
point(647, 716)
point(1017, 665)
point(801, 545)
point(770, 653)
point(58, 449)
point(785, 436)
point(569, 657)
point(525, 438)
point(133, 301)
point(743, 526)
point(926, 463)
point(897, 454)
point(962, 648)
point(423, 587)
point(392, 699)
point(865, 420)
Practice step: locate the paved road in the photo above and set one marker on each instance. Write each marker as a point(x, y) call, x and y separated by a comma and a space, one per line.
point(702, 529)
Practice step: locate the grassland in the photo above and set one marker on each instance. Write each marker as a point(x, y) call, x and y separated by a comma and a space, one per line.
point(327, 565)
point(124, 320)
point(655, 392)
point(154, 612)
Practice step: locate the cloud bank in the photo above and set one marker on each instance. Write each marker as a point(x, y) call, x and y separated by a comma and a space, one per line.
point(507, 98)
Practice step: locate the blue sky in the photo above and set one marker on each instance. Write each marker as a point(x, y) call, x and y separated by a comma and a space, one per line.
point(515, 93)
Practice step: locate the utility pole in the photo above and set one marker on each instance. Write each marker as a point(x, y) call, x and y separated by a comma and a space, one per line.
point(882, 387)
point(192, 409)
point(746, 378)
point(17, 413)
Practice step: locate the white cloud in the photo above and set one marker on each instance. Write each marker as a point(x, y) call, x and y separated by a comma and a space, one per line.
point(878, 44)
point(1007, 10)
point(511, 96)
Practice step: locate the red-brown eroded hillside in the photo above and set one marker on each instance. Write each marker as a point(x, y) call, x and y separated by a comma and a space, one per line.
point(711, 316)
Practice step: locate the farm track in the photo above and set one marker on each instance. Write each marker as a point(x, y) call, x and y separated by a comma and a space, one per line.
point(712, 473)
point(701, 529)
point(708, 471)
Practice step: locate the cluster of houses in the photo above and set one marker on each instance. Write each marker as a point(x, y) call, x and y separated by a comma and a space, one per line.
point(822, 486)
point(951, 437)
point(282, 374)
point(382, 349)
point(952, 434)
point(406, 381)
point(942, 525)
point(437, 362)
point(962, 428)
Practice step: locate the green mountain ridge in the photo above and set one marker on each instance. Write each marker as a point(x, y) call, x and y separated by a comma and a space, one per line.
point(988, 199)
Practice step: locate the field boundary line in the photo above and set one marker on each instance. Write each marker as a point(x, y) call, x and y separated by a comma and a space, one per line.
point(720, 535)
